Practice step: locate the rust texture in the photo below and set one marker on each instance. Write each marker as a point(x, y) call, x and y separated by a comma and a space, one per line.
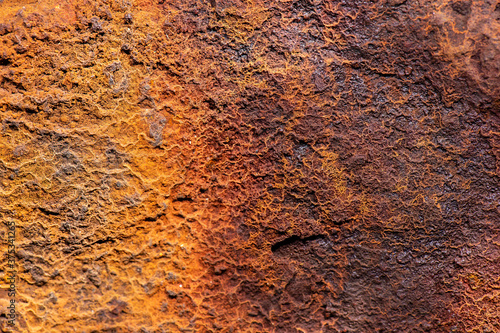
point(251, 166)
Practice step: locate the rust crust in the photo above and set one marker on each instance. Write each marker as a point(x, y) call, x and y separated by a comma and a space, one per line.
point(251, 166)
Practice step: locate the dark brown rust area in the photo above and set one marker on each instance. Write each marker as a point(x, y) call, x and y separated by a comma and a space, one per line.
point(353, 120)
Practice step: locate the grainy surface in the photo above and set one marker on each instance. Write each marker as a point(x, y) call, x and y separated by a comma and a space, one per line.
point(252, 166)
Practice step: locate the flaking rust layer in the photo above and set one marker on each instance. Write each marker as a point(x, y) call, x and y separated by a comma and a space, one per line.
point(251, 166)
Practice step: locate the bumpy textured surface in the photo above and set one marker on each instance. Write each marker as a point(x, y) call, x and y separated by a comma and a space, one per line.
point(252, 166)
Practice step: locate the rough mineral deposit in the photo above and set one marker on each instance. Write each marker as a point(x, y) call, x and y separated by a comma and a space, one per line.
point(251, 165)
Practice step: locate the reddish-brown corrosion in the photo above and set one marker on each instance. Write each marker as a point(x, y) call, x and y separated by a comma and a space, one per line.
point(252, 166)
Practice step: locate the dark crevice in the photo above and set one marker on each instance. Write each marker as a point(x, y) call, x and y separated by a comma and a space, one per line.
point(48, 211)
point(294, 239)
point(105, 240)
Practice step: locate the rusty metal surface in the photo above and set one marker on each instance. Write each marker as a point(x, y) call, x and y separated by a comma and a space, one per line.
point(252, 166)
